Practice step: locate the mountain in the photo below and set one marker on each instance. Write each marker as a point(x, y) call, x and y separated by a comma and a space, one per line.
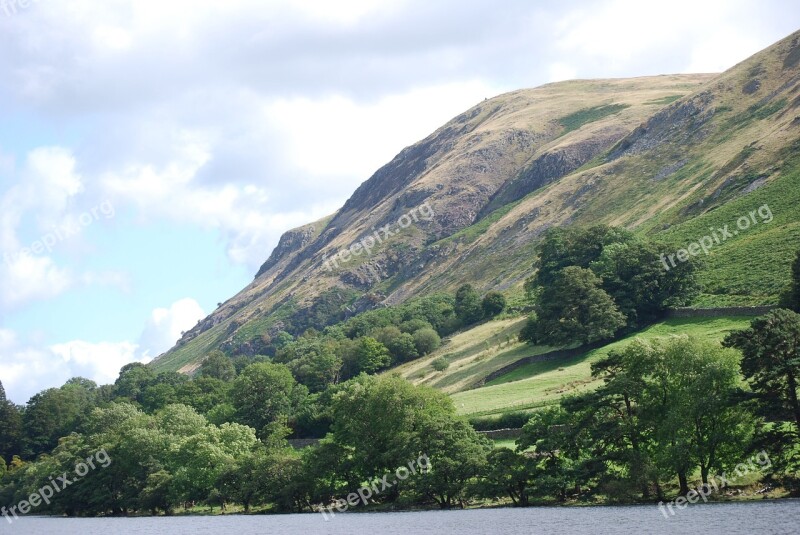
point(670, 157)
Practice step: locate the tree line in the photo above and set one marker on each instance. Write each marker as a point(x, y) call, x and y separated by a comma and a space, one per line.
point(665, 410)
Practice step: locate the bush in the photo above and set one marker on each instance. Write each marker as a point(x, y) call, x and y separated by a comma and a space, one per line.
point(440, 364)
point(468, 305)
point(493, 304)
point(426, 340)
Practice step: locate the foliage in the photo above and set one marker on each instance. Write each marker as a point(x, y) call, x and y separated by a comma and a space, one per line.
point(468, 305)
point(791, 297)
point(573, 308)
point(440, 364)
point(426, 341)
point(771, 364)
point(265, 392)
point(493, 304)
point(218, 366)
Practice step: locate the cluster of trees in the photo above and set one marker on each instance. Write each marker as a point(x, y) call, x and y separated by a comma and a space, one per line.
point(176, 457)
point(591, 283)
point(253, 390)
point(666, 410)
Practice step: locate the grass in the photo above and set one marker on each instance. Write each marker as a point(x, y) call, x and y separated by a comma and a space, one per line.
point(573, 121)
point(669, 99)
point(471, 355)
point(540, 384)
point(753, 266)
point(509, 443)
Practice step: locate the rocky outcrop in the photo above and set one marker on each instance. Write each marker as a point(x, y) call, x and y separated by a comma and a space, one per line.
point(553, 165)
point(291, 242)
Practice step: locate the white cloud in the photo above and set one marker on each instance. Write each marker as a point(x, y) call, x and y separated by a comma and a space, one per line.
point(43, 189)
point(29, 278)
point(165, 326)
point(100, 362)
point(26, 369)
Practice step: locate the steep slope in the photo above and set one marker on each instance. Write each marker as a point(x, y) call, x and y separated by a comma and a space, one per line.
point(653, 154)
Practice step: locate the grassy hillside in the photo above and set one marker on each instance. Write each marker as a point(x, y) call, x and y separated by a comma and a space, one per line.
point(543, 383)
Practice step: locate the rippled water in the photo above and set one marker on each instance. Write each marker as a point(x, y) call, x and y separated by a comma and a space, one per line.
point(767, 517)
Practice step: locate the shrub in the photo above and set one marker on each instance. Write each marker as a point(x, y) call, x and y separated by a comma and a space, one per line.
point(426, 340)
point(440, 364)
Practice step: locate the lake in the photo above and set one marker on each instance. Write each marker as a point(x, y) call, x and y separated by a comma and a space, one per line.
point(767, 517)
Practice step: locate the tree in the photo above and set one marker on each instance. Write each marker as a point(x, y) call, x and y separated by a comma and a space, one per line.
point(563, 247)
point(365, 355)
point(468, 305)
point(634, 277)
point(400, 344)
point(218, 366)
point(426, 341)
point(549, 434)
point(313, 361)
point(771, 363)
point(404, 348)
point(263, 393)
point(690, 402)
point(55, 413)
point(791, 297)
point(378, 423)
point(456, 454)
point(133, 379)
point(493, 304)
point(573, 308)
point(511, 473)
point(10, 427)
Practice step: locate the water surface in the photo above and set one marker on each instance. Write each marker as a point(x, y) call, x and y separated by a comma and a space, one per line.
point(766, 517)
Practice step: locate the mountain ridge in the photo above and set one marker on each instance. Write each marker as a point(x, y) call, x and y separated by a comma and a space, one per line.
point(647, 153)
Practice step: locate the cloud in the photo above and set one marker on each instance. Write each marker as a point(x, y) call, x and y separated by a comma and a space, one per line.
point(27, 367)
point(100, 362)
point(29, 278)
point(166, 326)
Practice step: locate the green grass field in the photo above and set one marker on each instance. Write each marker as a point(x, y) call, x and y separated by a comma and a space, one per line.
point(541, 384)
point(472, 355)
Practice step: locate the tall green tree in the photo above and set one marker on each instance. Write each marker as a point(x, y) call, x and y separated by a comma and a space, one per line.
point(690, 403)
point(771, 363)
point(265, 392)
point(638, 283)
point(468, 305)
point(791, 297)
point(56, 412)
point(493, 304)
point(574, 309)
point(10, 427)
point(426, 341)
point(219, 366)
point(563, 247)
point(511, 473)
point(132, 381)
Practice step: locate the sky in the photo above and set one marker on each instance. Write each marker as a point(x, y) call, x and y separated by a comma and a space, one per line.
point(152, 152)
